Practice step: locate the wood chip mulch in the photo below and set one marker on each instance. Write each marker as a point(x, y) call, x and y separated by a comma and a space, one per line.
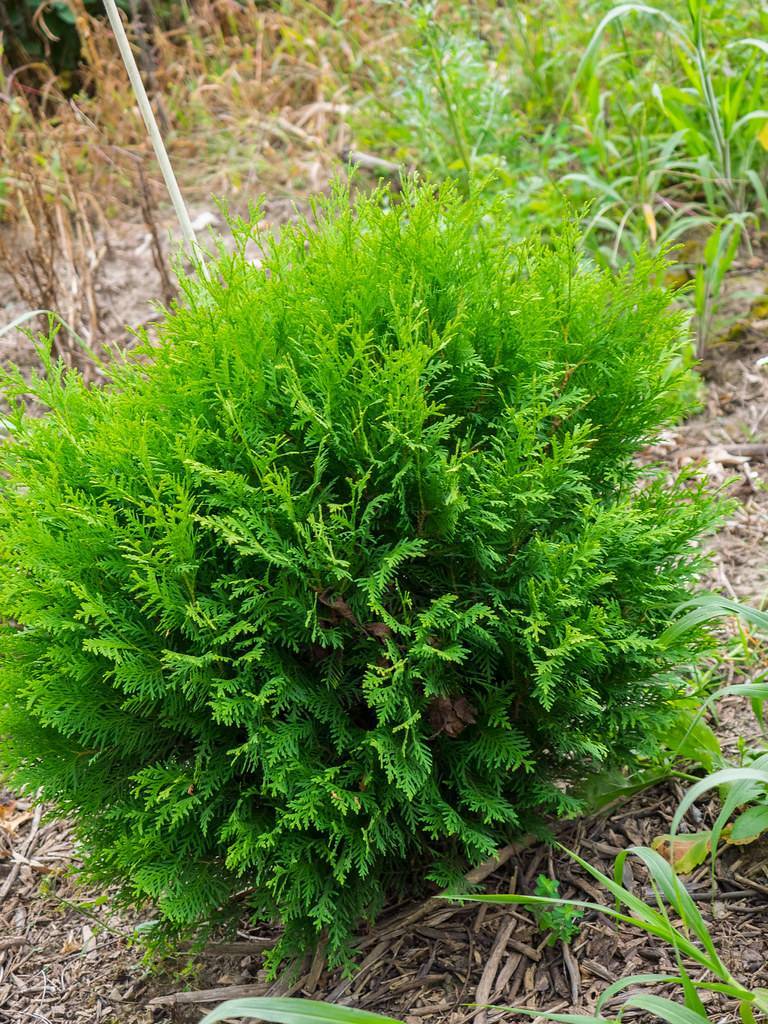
point(65, 957)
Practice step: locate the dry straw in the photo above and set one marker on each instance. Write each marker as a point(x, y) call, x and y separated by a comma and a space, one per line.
point(188, 232)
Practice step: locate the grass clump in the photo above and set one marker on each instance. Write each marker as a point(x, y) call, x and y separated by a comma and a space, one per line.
point(650, 115)
point(350, 575)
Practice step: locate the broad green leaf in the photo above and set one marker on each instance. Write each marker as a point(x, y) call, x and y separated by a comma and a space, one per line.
point(691, 738)
point(558, 1018)
point(756, 693)
point(606, 787)
point(63, 11)
point(750, 825)
point(724, 777)
point(666, 1009)
point(281, 1010)
point(737, 795)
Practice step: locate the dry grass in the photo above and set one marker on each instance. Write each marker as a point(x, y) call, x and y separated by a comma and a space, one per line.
point(250, 100)
point(247, 97)
point(54, 257)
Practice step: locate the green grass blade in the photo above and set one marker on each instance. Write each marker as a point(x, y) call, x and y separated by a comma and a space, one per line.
point(648, 919)
point(733, 991)
point(664, 877)
point(619, 12)
point(753, 115)
point(612, 15)
point(737, 795)
point(692, 998)
point(724, 777)
point(759, 44)
point(622, 895)
point(558, 1018)
point(712, 606)
point(292, 1011)
point(666, 1009)
point(633, 979)
point(753, 691)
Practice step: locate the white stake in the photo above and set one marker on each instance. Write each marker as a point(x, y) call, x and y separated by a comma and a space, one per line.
point(188, 232)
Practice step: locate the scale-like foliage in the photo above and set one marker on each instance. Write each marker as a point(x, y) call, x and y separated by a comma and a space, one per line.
point(350, 575)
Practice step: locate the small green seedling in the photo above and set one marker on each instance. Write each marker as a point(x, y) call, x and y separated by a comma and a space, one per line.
point(562, 921)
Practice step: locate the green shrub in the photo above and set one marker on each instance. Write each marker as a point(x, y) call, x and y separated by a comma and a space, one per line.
point(348, 577)
point(35, 32)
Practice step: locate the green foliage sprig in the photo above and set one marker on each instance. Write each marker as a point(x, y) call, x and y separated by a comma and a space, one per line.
point(352, 573)
point(558, 918)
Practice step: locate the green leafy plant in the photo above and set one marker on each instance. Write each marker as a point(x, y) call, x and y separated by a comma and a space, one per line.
point(351, 574)
point(741, 786)
point(740, 783)
point(674, 920)
point(653, 116)
point(717, 108)
point(689, 744)
point(445, 95)
point(561, 920)
point(719, 252)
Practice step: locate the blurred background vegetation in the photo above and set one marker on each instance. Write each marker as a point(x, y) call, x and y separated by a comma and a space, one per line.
point(649, 120)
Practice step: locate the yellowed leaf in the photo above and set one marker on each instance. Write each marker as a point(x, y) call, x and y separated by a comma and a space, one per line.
point(762, 135)
point(7, 808)
point(684, 853)
point(650, 220)
point(71, 945)
point(750, 826)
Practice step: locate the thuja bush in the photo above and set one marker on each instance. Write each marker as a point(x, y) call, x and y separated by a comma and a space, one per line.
point(352, 573)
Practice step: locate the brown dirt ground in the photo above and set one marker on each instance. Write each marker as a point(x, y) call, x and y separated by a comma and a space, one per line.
point(66, 956)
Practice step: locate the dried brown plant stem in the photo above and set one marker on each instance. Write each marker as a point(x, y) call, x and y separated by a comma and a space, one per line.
point(158, 255)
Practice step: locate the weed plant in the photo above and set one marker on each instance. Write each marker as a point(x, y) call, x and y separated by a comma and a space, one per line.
point(352, 573)
point(676, 921)
point(653, 115)
point(741, 783)
point(561, 922)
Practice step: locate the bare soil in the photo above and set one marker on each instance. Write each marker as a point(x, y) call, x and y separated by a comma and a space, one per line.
point(67, 956)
